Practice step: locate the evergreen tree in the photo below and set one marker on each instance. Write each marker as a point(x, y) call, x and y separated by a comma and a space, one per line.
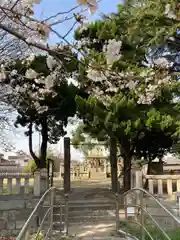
point(129, 97)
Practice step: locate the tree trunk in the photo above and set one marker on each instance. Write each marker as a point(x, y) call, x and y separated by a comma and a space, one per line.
point(161, 165)
point(67, 165)
point(36, 159)
point(44, 134)
point(127, 173)
point(113, 162)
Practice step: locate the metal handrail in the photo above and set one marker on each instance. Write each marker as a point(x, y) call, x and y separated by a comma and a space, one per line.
point(50, 209)
point(28, 222)
point(128, 234)
point(40, 227)
point(26, 225)
point(155, 199)
point(149, 215)
point(156, 223)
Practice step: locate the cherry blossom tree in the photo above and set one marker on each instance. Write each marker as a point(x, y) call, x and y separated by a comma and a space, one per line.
point(128, 92)
point(18, 21)
point(22, 33)
point(43, 98)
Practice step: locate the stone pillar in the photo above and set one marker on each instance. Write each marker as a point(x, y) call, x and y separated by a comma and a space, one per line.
point(89, 170)
point(169, 187)
point(151, 186)
point(43, 180)
point(67, 157)
point(139, 180)
point(178, 185)
point(160, 186)
point(60, 171)
point(105, 166)
point(37, 184)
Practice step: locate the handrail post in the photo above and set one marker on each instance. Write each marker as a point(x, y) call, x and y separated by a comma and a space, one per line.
point(52, 195)
point(117, 212)
point(142, 215)
point(66, 213)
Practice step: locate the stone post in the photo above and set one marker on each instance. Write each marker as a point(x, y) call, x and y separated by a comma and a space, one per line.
point(169, 187)
point(37, 184)
point(43, 176)
point(105, 166)
point(67, 158)
point(139, 179)
point(60, 171)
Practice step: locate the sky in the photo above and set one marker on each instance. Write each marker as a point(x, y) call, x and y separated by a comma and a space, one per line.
point(45, 9)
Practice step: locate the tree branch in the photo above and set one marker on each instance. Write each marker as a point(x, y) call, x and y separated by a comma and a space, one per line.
point(36, 45)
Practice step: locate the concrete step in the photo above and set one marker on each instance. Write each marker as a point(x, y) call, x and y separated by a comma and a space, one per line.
point(57, 237)
point(90, 238)
point(58, 226)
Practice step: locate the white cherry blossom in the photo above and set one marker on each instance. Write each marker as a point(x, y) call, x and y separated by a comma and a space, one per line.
point(49, 81)
point(31, 74)
point(51, 62)
point(91, 4)
point(162, 62)
point(2, 76)
point(169, 12)
point(13, 72)
point(112, 51)
point(30, 58)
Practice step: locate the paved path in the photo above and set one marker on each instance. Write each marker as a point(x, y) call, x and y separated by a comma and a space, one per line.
point(96, 231)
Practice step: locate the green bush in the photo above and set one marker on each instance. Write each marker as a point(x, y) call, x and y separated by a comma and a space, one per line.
point(156, 233)
point(30, 167)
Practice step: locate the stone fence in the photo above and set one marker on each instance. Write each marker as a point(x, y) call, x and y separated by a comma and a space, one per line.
point(157, 184)
point(14, 212)
point(19, 194)
point(23, 184)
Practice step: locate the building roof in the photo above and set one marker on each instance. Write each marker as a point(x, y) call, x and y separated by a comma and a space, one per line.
point(171, 160)
point(98, 152)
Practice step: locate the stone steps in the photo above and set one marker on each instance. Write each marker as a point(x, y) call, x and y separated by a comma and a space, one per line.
point(91, 238)
point(86, 211)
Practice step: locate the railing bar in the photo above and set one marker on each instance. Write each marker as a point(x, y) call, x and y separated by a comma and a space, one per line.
point(21, 234)
point(39, 229)
point(91, 204)
point(61, 215)
point(138, 223)
point(46, 237)
point(146, 192)
point(156, 223)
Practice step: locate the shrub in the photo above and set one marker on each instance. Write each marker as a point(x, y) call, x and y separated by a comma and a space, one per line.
point(156, 233)
point(30, 167)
